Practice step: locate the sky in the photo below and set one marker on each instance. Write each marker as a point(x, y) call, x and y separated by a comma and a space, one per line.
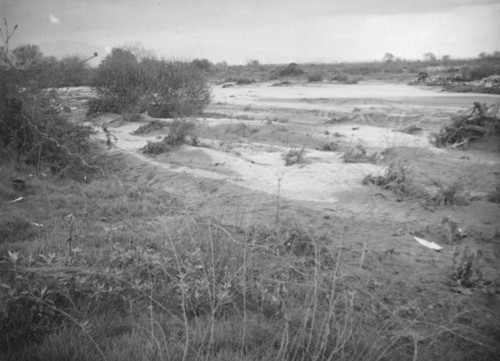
point(270, 31)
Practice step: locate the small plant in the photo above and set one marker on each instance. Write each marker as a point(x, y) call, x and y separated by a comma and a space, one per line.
point(397, 178)
point(342, 78)
point(180, 132)
point(466, 267)
point(150, 127)
point(358, 154)
point(330, 147)
point(294, 156)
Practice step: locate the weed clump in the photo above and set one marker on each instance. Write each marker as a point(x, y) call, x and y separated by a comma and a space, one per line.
point(329, 147)
point(466, 269)
point(150, 127)
point(397, 178)
point(180, 132)
point(294, 156)
point(358, 154)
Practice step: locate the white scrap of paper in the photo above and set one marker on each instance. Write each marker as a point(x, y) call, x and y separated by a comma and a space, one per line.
point(16, 200)
point(428, 244)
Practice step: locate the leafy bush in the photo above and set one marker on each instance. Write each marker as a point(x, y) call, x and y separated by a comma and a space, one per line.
point(32, 130)
point(450, 195)
point(164, 89)
point(239, 80)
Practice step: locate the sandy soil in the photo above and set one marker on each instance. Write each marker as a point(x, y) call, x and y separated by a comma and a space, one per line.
point(239, 174)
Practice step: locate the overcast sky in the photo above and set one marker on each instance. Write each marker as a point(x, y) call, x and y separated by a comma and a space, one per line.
point(271, 31)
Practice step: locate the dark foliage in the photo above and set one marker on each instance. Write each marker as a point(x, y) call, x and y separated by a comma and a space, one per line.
point(164, 89)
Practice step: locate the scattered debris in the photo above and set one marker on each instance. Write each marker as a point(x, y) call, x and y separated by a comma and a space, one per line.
point(479, 123)
point(428, 244)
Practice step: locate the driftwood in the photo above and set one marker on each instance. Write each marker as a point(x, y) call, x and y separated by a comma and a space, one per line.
point(481, 121)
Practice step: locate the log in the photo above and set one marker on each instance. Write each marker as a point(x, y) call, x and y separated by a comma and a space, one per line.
point(476, 128)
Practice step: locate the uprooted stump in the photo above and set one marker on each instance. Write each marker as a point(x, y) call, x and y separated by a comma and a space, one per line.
point(479, 123)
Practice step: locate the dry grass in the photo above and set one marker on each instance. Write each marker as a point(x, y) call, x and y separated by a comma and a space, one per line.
point(141, 280)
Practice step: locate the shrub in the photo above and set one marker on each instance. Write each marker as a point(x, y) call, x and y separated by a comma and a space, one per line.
point(292, 69)
point(314, 78)
point(180, 132)
point(330, 147)
point(150, 127)
point(32, 129)
point(294, 156)
point(397, 178)
point(239, 80)
point(358, 154)
point(118, 81)
point(483, 71)
point(340, 78)
point(164, 89)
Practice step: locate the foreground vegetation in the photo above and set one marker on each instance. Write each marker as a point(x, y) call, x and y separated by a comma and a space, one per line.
point(114, 270)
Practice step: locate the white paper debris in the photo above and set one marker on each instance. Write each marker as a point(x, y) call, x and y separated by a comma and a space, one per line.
point(37, 224)
point(428, 244)
point(16, 200)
